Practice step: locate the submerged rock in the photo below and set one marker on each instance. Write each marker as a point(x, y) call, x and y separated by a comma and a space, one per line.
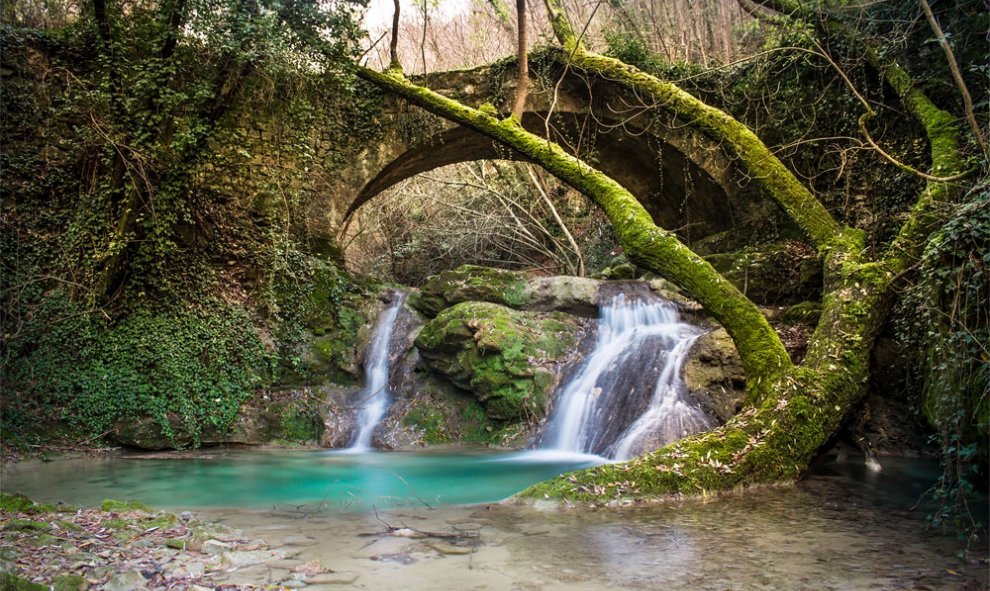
point(506, 358)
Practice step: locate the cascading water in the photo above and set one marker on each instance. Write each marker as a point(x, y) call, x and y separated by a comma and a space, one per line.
point(375, 397)
point(628, 391)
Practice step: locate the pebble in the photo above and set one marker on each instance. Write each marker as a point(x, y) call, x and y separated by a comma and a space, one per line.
point(131, 580)
point(313, 567)
point(335, 578)
point(445, 548)
point(297, 540)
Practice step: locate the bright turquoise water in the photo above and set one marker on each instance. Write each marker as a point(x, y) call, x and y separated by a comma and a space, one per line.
point(260, 479)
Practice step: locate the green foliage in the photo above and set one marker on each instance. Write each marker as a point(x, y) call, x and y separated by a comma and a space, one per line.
point(196, 366)
point(630, 48)
point(946, 311)
point(151, 235)
point(306, 297)
point(299, 422)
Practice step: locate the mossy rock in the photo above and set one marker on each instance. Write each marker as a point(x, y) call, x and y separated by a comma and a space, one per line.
point(500, 355)
point(713, 374)
point(12, 582)
point(70, 583)
point(115, 506)
point(18, 503)
point(26, 525)
point(470, 283)
point(622, 271)
point(805, 312)
point(332, 352)
point(773, 274)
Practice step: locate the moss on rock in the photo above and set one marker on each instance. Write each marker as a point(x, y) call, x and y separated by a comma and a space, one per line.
point(777, 273)
point(714, 375)
point(112, 505)
point(12, 582)
point(501, 355)
point(18, 503)
point(805, 312)
point(470, 283)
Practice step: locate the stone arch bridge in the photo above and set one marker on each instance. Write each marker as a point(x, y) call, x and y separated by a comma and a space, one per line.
point(688, 184)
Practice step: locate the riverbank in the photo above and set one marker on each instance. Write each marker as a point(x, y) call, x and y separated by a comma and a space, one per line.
point(119, 546)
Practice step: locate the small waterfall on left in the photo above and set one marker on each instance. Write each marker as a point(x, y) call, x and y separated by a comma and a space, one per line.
point(375, 397)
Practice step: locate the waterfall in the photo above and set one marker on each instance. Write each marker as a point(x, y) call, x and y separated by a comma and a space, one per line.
point(375, 397)
point(628, 391)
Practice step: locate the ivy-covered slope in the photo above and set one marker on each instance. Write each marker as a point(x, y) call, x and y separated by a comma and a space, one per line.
point(157, 251)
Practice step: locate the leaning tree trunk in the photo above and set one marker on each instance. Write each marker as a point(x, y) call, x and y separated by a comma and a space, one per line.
point(791, 411)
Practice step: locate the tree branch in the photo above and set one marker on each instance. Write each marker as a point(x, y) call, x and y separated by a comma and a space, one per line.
point(762, 353)
point(753, 154)
point(956, 75)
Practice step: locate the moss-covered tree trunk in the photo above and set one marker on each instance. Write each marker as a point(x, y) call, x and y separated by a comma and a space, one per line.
point(791, 411)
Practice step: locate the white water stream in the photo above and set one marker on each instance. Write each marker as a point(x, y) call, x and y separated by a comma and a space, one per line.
point(628, 391)
point(376, 397)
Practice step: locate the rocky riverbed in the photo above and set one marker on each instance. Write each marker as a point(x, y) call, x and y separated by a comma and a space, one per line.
point(127, 546)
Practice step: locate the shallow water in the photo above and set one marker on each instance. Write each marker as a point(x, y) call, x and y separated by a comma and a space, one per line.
point(843, 527)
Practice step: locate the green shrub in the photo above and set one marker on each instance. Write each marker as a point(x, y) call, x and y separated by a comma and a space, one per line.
point(196, 365)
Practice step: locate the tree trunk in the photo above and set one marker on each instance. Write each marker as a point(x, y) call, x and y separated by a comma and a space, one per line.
point(523, 78)
point(393, 46)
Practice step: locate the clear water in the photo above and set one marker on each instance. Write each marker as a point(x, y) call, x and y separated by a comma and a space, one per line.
point(260, 479)
point(375, 397)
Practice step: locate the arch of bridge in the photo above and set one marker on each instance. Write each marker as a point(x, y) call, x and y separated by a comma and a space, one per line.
point(687, 184)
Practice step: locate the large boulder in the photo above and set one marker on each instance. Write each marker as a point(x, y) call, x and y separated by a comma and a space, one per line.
point(714, 375)
point(573, 295)
point(469, 283)
point(507, 359)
